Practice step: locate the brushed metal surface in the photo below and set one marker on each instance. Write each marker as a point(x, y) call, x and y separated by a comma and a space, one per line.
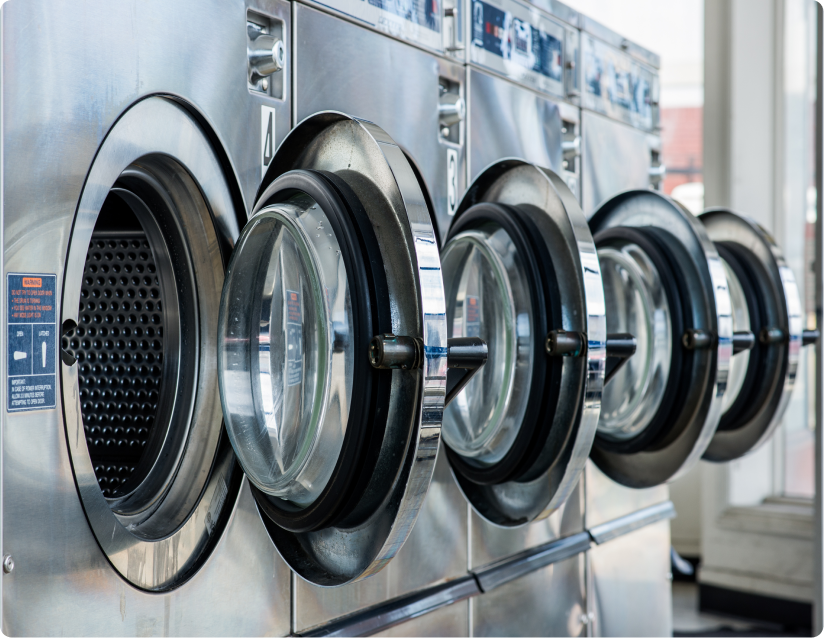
point(627, 524)
point(104, 57)
point(631, 584)
point(386, 81)
point(530, 560)
point(400, 610)
point(490, 543)
point(507, 120)
point(435, 551)
point(607, 500)
point(616, 158)
point(547, 602)
point(452, 620)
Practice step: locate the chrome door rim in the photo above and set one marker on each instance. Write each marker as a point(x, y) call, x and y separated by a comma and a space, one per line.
point(727, 226)
point(564, 227)
point(677, 456)
point(382, 178)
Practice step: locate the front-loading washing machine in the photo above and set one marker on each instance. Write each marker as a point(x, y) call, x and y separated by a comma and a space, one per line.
point(143, 313)
point(522, 79)
point(125, 185)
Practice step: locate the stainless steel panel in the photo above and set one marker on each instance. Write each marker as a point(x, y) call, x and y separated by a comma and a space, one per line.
point(506, 120)
point(627, 524)
point(242, 589)
point(452, 620)
point(103, 57)
point(489, 543)
point(606, 500)
point(616, 157)
point(434, 552)
point(362, 78)
point(547, 602)
point(631, 584)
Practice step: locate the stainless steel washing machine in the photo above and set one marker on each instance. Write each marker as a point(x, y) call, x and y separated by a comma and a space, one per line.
point(143, 313)
point(523, 103)
point(125, 185)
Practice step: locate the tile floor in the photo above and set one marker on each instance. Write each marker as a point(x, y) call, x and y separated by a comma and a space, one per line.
point(688, 621)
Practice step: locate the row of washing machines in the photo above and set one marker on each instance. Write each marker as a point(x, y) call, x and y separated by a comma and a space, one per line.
point(345, 318)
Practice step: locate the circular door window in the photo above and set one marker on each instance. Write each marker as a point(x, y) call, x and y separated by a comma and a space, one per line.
point(666, 286)
point(765, 301)
point(334, 448)
point(154, 469)
point(519, 265)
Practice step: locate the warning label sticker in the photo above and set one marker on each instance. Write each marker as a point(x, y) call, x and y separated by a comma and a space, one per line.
point(32, 342)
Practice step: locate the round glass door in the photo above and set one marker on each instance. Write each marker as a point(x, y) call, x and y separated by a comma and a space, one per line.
point(313, 278)
point(519, 264)
point(288, 369)
point(664, 284)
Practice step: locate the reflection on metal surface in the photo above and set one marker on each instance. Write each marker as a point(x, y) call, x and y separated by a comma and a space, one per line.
point(441, 524)
point(631, 584)
point(530, 560)
point(618, 86)
point(630, 522)
point(477, 584)
point(397, 611)
point(616, 158)
point(554, 595)
point(523, 45)
point(374, 90)
point(508, 121)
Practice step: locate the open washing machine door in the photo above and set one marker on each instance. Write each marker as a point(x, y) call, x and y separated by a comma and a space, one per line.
point(332, 350)
point(665, 284)
point(153, 230)
point(520, 272)
point(765, 301)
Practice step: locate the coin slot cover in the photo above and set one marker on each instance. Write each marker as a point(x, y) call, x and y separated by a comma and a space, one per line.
point(266, 54)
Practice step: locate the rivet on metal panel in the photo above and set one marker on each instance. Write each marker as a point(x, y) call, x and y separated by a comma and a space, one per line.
point(8, 563)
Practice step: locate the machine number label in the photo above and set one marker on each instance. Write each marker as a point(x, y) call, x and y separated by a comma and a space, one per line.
point(32, 342)
point(267, 138)
point(451, 181)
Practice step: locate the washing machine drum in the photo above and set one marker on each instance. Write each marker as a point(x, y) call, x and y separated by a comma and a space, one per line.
point(155, 473)
point(520, 273)
point(339, 248)
point(664, 284)
point(765, 301)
